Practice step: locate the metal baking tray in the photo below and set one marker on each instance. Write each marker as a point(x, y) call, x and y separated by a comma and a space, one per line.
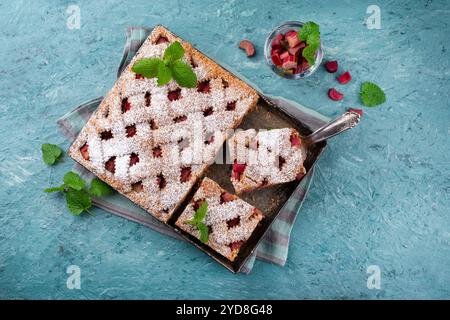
point(270, 200)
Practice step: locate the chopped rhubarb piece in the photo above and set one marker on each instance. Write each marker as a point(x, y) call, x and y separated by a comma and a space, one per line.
point(197, 204)
point(344, 78)
point(174, 95)
point(225, 84)
point(276, 59)
point(134, 158)
point(85, 151)
point(284, 55)
point(227, 197)
point(204, 87)
point(256, 212)
point(291, 38)
point(162, 39)
point(139, 76)
point(331, 66)
point(231, 106)
point(153, 125)
point(236, 245)
point(131, 130)
point(110, 165)
point(161, 181)
point(295, 140)
point(358, 111)
point(180, 119)
point(277, 41)
point(148, 99)
point(186, 173)
point(208, 112)
point(138, 187)
point(106, 135)
point(297, 49)
point(233, 222)
point(289, 63)
point(299, 176)
point(335, 95)
point(276, 49)
point(281, 161)
point(126, 106)
point(302, 66)
point(209, 139)
point(157, 152)
point(248, 47)
point(238, 169)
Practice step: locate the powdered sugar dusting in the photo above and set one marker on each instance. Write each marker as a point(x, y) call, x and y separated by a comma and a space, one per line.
point(217, 217)
point(269, 157)
point(139, 118)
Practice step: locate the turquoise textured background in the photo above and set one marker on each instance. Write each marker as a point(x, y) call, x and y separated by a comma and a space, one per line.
point(381, 194)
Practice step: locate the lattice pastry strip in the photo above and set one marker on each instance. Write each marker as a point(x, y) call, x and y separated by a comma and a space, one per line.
point(144, 139)
point(266, 158)
point(230, 220)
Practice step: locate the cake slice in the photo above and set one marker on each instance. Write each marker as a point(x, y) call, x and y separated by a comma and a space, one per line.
point(151, 143)
point(265, 158)
point(230, 220)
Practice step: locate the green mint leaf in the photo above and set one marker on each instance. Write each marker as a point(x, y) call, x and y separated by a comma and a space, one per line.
point(191, 222)
point(204, 232)
point(309, 53)
point(309, 30)
point(200, 214)
point(371, 94)
point(310, 33)
point(50, 153)
point(54, 189)
point(183, 74)
point(78, 201)
point(173, 52)
point(164, 74)
point(99, 188)
point(73, 180)
point(147, 67)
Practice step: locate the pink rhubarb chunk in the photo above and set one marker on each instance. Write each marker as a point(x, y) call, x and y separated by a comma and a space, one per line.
point(291, 38)
point(290, 63)
point(358, 111)
point(331, 66)
point(335, 95)
point(344, 78)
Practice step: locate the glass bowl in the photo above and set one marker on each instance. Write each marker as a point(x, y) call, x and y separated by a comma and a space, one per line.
point(282, 28)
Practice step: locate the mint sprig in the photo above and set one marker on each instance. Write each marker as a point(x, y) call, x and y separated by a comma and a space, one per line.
point(74, 181)
point(78, 199)
point(197, 221)
point(99, 188)
point(50, 153)
point(371, 94)
point(168, 68)
point(310, 33)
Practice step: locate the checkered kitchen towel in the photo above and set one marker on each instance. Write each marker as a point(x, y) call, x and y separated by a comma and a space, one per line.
point(274, 247)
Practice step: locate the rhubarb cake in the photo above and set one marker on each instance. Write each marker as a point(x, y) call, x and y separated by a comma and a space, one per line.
point(230, 220)
point(144, 139)
point(265, 158)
